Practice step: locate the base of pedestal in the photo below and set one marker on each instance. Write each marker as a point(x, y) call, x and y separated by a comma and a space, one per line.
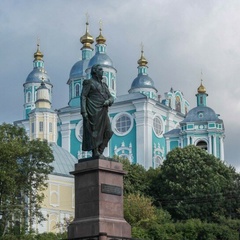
point(90, 228)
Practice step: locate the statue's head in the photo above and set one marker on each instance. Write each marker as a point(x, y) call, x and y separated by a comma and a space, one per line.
point(96, 70)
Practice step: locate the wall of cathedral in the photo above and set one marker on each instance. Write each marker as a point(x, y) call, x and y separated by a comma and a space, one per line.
point(138, 127)
point(123, 142)
point(58, 203)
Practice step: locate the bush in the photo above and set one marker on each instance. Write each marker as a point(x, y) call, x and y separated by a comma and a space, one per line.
point(43, 236)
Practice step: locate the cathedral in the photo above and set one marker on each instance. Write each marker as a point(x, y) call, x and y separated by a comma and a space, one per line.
point(146, 127)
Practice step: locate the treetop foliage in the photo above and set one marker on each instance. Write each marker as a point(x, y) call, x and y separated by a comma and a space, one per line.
point(195, 184)
point(24, 169)
point(192, 195)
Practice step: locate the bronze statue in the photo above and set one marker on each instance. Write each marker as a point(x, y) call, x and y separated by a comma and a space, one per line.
point(95, 100)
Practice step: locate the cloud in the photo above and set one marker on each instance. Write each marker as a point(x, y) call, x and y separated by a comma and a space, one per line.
point(181, 38)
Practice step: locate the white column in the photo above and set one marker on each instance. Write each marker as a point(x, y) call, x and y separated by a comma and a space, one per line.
point(221, 149)
point(144, 124)
point(36, 127)
point(167, 145)
point(46, 127)
point(65, 131)
point(214, 146)
point(54, 127)
point(210, 144)
point(181, 142)
point(33, 99)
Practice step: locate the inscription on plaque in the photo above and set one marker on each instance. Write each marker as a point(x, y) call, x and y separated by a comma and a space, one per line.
point(111, 189)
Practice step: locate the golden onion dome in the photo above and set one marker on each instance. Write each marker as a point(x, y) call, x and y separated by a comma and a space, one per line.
point(201, 88)
point(87, 39)
point(38, 54)
point(100, 39)
point(142, 61)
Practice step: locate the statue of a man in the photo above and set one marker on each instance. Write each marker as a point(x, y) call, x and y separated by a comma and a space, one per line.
point(95, 100)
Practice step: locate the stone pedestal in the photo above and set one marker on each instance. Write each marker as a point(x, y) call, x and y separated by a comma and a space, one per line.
point(98, 201)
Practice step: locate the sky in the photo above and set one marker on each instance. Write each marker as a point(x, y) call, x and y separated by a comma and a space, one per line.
point(184, 41)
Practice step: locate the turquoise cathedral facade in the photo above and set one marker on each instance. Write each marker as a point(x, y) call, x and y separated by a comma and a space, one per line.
point(146, 127)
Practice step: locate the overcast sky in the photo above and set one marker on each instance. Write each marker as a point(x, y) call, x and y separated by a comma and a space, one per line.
point(181, 38)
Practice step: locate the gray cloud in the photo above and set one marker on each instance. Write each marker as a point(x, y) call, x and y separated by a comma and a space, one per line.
point(181, 38)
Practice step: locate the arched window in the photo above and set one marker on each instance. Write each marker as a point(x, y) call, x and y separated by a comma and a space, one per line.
point(178, 104)
point(28, 97)
point(170, 102)
point(113, 84)
point(202, 144)
point(79, 131)
point(32, 127)
point(77, 90)
point(157, 126)
point(40, 126)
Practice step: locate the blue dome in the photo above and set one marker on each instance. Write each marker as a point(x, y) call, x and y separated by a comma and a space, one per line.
point(78, 69)
point(36, 75)
point(201, 114)
point(102, 59)
point(142, 81)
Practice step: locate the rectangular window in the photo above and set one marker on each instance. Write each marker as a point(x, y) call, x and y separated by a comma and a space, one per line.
point(50, 127)
point(190, 126)
point(211, 125)
point(40, 126)
point(32, 127)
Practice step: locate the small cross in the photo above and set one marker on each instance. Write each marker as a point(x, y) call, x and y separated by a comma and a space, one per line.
point(100, 24)
point(87, 17)
point(38, 42)
point(141, 45)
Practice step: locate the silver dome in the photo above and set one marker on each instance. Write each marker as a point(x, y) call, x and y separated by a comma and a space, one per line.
point(78, 69)
point(201, 114)
point(102, 59)
point(142, 81)
point(36, 75)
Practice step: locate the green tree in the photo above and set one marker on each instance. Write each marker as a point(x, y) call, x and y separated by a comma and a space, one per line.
point(135, 181)
point(141, 214)
point(195, 184)
point(24, 168)
point(138, 209)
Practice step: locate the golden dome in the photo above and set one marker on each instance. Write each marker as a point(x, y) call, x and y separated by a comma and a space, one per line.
point(201, 88)
point(142, 61)
point(100, 39)
point(87, 39)
point(38, 54)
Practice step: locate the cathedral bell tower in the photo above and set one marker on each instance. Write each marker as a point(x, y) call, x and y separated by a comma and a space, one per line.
point(33, 82)
point(42, 119)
